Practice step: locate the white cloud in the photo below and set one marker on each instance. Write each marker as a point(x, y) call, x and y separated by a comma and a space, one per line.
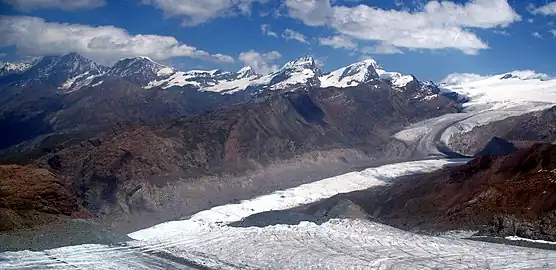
point(553, 32)
point(537, 35)
point(548, 9)
point(320, 61)
point(501, 32)
point(339, 41)
point(311, 12)
point(383, 48)
point(262, 63)
point(33, 36)
point(438, 25)
point(265, 28)
point(29, 5)
point(196, 12)
point(460, 78)
point(290, 34)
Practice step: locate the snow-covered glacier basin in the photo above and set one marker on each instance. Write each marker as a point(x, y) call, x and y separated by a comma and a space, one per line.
point(205, 241)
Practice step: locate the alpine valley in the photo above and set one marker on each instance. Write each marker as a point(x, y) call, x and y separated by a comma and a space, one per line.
point(247, 160)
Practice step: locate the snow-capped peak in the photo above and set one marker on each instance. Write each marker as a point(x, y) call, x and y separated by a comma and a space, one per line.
point(306, 62)
point(245, 72)
point(140, 69)
point(302, 71)
point(351, 75)
point(60, 71)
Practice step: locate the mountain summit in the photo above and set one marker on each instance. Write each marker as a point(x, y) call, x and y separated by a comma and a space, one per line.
point(139, 69)
point(352, 75)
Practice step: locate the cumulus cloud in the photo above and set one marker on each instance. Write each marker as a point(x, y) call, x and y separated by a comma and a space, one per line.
point(553, 32)
point(265, 28)
point(548, 9)
point(290, 34)
point(438, 25)
point(262, 63)
point(339, 41)
point(382, 48)
point(34, 36)
point(29, 5)
point(537, 35)
point(194, 12)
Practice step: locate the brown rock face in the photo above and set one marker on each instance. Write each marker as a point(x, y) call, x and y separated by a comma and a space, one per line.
point(30, 197)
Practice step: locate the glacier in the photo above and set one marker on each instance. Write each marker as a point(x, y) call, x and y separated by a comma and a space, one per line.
point(205, 241)
point(491, 99)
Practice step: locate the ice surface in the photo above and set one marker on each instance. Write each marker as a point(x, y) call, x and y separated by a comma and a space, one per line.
point(336, 244)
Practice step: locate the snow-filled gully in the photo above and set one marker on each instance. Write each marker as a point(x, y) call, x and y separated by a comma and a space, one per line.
point(205, 241)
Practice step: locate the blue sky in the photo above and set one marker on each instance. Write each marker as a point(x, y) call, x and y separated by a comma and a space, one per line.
point(427, 39)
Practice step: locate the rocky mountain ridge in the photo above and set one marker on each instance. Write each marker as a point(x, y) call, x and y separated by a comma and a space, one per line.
point(71, 92)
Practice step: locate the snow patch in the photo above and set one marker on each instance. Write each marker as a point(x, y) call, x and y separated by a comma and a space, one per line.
point(517, 238)
point(97, 84)
point(351, 75)
point(230, 87)
point(69, 83)
point(165, 72)
point(397, 79)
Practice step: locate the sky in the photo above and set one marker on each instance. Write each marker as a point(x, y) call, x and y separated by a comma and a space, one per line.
point(429, 39)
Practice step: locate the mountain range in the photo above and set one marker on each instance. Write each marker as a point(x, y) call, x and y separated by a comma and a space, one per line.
point(65, 92)
point(139, 142)
point(72, 71)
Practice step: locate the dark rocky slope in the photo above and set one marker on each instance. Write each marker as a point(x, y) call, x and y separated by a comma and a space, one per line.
point(168, 170)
